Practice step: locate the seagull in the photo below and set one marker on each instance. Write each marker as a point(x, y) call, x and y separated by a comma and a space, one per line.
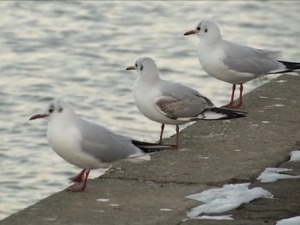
point(235, 63)
point(172, 103)
point(88, 145)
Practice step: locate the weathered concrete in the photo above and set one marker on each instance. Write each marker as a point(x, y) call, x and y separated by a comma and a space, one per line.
point(130, 202)
point(211, 154)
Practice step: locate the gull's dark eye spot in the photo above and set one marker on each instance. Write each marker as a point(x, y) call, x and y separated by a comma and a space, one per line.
point(142, 67)
point(50, 110)
point(136, 65)
point(198, 28)
point(205, 30)
point(60, 109)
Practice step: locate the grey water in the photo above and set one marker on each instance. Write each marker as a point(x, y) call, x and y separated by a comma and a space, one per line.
point(78, 51)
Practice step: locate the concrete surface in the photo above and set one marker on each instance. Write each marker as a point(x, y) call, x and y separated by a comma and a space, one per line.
point(212, 153)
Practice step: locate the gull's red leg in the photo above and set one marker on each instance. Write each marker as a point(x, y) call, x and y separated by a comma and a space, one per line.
point(230, 105)
point(177, 136)
point(83, 186)
point(78, 177)
point(161, 133)
point(241, 95)
point(232, 94)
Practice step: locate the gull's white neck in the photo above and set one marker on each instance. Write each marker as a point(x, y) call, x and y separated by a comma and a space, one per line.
point(63, 120)
point(149, 77)
point(207, 46)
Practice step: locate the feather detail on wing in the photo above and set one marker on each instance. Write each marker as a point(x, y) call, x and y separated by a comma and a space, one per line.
point(270, 53)
point(182, 109)
point(244, 59)
point(170, 106)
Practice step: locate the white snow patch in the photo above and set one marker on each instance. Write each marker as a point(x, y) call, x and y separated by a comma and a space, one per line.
point(224, 217)
point(265, 121)
point(278, 105)
point(165, 210)
point(273, 174)
point(263, 97)
point(280, 98)
point(281, 81)
point(295, 155)
point(50, 219)
point(114, 205)
point(230, 196)
point(212, 135)
point(237, 150)
point(99, 172)
point(289, 221)
point(102, 200)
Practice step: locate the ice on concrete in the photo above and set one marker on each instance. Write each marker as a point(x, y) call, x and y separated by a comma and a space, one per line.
point(289, 221)
point(274, 174)
point(224, 217)
point(98, 173)
point(102, 200)
point(229, 197)
point(165, 210)
point(295, 155)
point(281, 81)
point(114, 205)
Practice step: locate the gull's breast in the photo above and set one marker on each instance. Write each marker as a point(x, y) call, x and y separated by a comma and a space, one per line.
point(66, 143)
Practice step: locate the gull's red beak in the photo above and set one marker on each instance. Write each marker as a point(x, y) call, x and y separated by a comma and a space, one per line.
point(38, 116)
point(190, 32)
point(131, 68)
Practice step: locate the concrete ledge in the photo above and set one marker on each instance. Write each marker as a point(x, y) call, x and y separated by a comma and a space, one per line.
point(211, 154)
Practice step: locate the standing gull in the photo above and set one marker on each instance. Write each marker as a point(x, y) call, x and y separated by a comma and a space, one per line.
point(88, 145)
point(172, 103)
point(234, 63)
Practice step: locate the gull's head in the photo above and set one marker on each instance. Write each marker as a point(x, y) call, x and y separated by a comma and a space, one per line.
point(206, 30)
point(144, 65)
point(56, 108)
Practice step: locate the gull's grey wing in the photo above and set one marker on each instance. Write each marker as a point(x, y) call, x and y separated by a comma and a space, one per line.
point(179, 101)
point(245, 59)
point(103, 144)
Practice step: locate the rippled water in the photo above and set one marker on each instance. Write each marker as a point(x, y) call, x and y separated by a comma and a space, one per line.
point(79, 51)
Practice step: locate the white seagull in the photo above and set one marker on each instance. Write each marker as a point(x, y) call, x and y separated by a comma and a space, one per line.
point(88, 145)
point(172, 103)
point(234, 63)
